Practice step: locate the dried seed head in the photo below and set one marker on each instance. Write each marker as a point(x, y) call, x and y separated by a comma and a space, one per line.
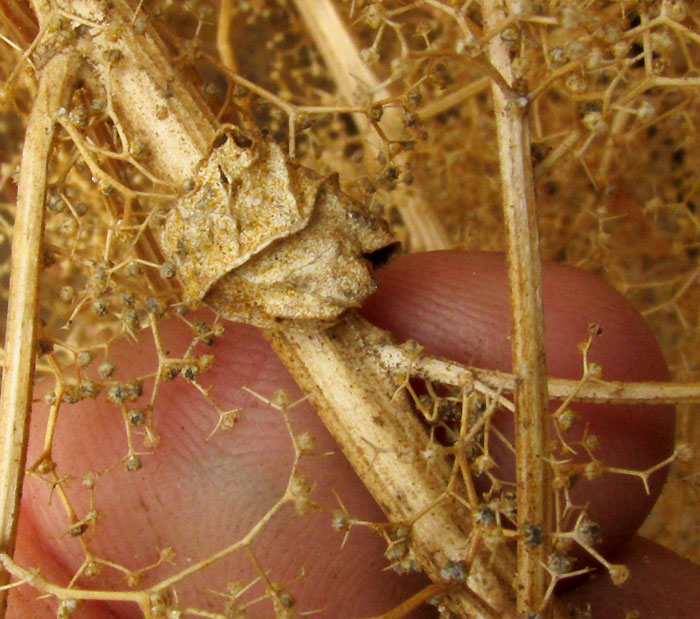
point(485, 516)
point(118, 393)
point(594, 122)
point(618, 574)
point(205, 362)
point(67, 294)
point(300, 491)
point(84, 359)
point(89, 480)
point(557, 56)
point(576, 84)
point(134, 390)
point(591, 442)
point(136, 416)
point(646, 111)
point(588, 532)
point(92, 569)
point(593, 470)
point(66, 608)
point(595, 370)
point(286, 600)
point(100, 307)
point(414, 98)
point(454, 572)
point(88, 389)
point(57, 205)
point(373, 15)
point(131, 321)
point(396, 551)
point(105, 187)
point(676, 9)
point(566, 419)
point(133, 463)
point(340, 520)
point(138, 149)
point(533, 534)
point(169, 371)
point(305, 442)
point(77, 530)
point(684, 452)
point(560, 563)
point(79, 116)
point(153, 306)
point(167, 270)
point(106, 369)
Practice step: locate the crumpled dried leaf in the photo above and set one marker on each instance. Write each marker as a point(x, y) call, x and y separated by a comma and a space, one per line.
point(263, 240)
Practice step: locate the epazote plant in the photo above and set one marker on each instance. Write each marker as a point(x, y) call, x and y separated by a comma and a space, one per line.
point(151, 178)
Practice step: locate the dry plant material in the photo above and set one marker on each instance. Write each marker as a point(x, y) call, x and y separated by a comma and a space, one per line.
point(532, 421)
point(152, 199)
point(265, 241)
point(18, 380)
point(134, 84)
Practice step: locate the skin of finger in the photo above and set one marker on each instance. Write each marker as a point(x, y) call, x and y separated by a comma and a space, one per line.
point(458, 307)
point(661, 584)
point(199, 496)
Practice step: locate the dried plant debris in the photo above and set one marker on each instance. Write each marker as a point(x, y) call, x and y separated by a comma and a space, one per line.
point(264, 240)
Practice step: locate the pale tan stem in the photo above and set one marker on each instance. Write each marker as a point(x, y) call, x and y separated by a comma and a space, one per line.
point(351, 75)
point(359, 85)
point(26, 261)
point(223, 36)
point(529, 369)
point(385, 443)
point(449, 372)
point(153, 103)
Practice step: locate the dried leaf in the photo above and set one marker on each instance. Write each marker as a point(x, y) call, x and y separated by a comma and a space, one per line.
point(263, 240)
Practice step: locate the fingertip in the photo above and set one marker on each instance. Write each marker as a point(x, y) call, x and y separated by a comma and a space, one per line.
point(661, 584)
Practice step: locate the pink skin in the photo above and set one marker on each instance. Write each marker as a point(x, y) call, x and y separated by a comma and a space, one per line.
point(198, 496)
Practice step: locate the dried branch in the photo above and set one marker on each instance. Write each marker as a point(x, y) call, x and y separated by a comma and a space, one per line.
point(531, 419)
point(385, 443)
point(20, 344)
point(587, 389)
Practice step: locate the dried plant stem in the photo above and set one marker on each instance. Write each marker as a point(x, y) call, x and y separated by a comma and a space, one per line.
point(433, 108)
point(531, 418)
point(384, 442)
point(356, 82)
point(223, 36)
point(583, 390)
point(20, 343)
